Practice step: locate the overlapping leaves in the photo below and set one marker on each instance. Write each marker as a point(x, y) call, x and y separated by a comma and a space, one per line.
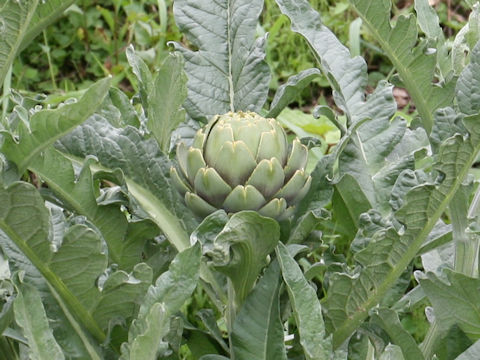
point(392, 248)
point(73, 269)
point(415, 65)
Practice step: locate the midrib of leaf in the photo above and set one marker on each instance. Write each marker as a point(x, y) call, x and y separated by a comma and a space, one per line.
point(19, 38)
point(344, 331)
point(76, 326)
point(229, 45)
point(83, 316)
point(405, 74)
point(165, 220)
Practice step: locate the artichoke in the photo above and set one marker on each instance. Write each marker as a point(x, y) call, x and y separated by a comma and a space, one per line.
point(242, 161)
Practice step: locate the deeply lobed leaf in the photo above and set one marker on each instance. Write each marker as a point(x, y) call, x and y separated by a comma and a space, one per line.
point(228, 72)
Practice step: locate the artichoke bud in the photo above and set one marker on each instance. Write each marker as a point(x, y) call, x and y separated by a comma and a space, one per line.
point(242, 161)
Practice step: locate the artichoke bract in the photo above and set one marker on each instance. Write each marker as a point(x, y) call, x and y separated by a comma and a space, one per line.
point(242, 161)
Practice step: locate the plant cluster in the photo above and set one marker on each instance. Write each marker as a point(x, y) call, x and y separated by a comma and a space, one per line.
point(266, 256)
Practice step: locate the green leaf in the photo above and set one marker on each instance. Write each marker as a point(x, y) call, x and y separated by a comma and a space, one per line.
point(460, 290)
point(378, 151)
point(45, 14)
point(79, 194)
point(145, 168)
point(73, 270)
point(287, 92)
point(392, 352)
point(306, 308)
point(388, 320)
point(469, 79)
point(143, 74)
point(15, 18)
point(240, 250)
point(346, 75)
point(228, 72)
point(258, 331)
point(162, 95)
point(166, 99)
point(30, 315)
point(348, 203)
point(415, 67)
point(209, 320)
point(47, 126)
point(427, 19)
point(171, 290)
point(389, 252)
point(472, 353)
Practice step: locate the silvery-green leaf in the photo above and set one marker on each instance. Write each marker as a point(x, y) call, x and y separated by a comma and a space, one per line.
point(468, 82)
point(47, 126)
point(165, 102)
point(145, 167)
point(163, 299)
point(258, 331)
point(71, 272)
point(346, 75)
point(15, 18)
point(392, 352)
point(240, 250)
point(414, 64)
point(457, 289)
point(306, 308)
point(30, 315)
point(228, 71)
point(386, 257)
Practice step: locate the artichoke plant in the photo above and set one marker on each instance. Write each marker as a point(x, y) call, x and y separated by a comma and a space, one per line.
point(242, 161)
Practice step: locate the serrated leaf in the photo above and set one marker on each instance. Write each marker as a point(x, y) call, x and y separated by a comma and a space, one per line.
point(287, 92)
point(145, 168)
point(415, 67)
point(306, 308)
point(257, 332)
point(15, 18)
point(385, 258)
point(228, 72)
point(460, 290)
point(347, 76)
point(171, 290)
point(24, 221)
point(30, 315)
point(47, 126)
point(240, 250)
point(447, 122)
point(378, 151)
point(79, 195)
point(468, 81)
